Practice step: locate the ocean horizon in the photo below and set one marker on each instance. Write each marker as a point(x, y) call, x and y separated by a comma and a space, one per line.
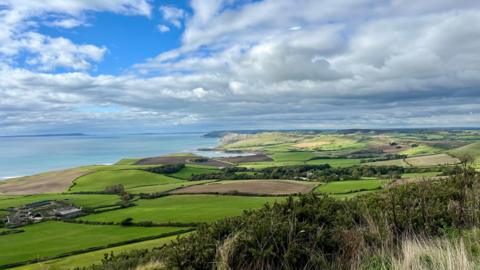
point(31, 154)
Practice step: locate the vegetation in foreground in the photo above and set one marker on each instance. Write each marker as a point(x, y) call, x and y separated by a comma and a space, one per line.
point(139, 193)
point(426, 225)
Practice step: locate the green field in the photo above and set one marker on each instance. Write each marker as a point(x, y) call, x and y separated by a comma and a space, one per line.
point(471, 149)
point(54, 238)
point(422, 149)
point(292, 156)
point(82, 200)
point(350, 186)
point(393, 162)
point(186, 172)
point(98, 181)
point(95, 257)
point(166, 187)
point(184, 208)
point(334, 162)
point(127, 161)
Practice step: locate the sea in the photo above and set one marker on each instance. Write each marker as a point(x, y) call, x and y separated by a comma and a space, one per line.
point(27, 155)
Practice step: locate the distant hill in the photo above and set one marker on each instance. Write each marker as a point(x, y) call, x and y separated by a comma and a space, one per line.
point(45, 135)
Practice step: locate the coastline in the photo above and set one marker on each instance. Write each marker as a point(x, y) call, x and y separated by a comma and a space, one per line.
point(25, 156)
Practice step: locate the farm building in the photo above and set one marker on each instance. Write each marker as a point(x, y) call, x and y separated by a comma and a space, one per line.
point(39, 211)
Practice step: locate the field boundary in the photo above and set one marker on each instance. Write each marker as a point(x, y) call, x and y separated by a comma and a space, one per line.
point(81, 251)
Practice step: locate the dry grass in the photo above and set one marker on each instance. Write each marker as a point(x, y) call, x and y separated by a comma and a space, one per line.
point(312, 144)
point(424, 254)
point(50, 182)
point(432, 160)
point(156, 265)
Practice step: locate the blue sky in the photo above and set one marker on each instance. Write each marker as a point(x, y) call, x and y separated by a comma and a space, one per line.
point(139, 65)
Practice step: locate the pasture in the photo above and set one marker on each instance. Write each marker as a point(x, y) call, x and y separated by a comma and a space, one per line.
point(54, 238)
point(98, 181)
point(82, 200)
point(422, 149)
point(95, 257)
point(189, 170)
point(184, 209)
point(470, 149)
point(350, 186)
point(431, 160)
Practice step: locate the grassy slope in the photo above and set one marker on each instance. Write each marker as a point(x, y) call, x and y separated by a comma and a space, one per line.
point(334, 162)
point(186, 172)
point(127, 161)
point(55, 238)
point(86, 259)
point(350, 186)
point(83, 200)
point(128, 178)
point(431, 160)
point(420, 150)
point(184, 208)
point(471, 149)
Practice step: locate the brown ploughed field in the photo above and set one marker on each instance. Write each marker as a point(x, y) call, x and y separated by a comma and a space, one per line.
point(263, 187)
point(50, 182)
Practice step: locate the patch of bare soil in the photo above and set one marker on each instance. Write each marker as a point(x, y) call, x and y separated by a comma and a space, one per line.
point(254, 187)
point(50, 182)
point(245, 159)
point(163, 160)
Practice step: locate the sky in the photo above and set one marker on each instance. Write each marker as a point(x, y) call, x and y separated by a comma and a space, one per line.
point(96, 66)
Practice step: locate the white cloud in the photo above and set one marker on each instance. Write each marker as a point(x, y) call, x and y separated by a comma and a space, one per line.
point(322, 63)
point(163, 28)
point(173, 15)
point(20, 19)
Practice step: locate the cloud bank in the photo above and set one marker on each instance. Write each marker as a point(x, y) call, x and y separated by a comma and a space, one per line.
point(249, 64)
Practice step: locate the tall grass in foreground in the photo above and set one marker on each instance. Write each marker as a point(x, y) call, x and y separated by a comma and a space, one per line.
point(432, 254)
point(439, 254)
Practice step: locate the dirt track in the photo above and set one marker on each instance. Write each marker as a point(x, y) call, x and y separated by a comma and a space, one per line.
point(50, 182)
point(264, 187)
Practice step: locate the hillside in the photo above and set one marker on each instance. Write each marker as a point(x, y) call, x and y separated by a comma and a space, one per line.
point(327, 180)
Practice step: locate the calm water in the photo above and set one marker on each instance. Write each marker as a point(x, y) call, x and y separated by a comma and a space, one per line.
point(28, 155)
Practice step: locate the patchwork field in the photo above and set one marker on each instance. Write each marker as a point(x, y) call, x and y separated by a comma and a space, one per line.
point(166, 187)
point(431, 160)
point(184, 204)
point(471, 149)
point(50, 182)
point(184, 209)
point(260, 187)
point(54, 238)
point(98, 181)
point(94, 257)
point(422, 149)
point(82, 200)
point(351, 186)
point(183, 159)
point(189, 170)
